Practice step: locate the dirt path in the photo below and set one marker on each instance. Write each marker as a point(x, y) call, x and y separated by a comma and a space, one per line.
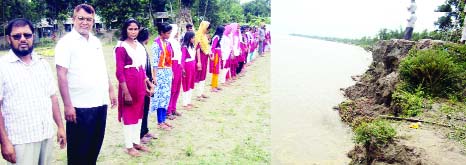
point(438, 148)
point(231, 127)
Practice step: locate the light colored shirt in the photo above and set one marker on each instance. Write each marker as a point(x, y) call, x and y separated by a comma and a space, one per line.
point(26, 90)
point(261, 34)
point(138, 55)
point(87, 72)
point(463, 34)
point(412, 8)
point(412, 20)
point(176, 49)
point(192, 54)
point(226, 47)
point(236, 48)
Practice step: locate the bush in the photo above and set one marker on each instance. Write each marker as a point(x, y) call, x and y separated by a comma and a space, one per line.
point(410, 104)
point(433, 70)
point(374, 136)
point(376, 133)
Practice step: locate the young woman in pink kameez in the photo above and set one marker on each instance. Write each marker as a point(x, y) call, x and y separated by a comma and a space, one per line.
point(130, 62)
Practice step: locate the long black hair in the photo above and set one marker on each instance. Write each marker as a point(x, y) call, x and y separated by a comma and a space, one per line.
point(187, 39)
point(124, 31)
point(143, 35)
point(219, 33)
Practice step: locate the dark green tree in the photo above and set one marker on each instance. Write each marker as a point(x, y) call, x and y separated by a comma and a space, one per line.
point(115, 12)
point(453, 17)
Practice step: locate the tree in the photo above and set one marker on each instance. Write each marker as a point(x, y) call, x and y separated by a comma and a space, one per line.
point(454, 15)
point(16, 9)
point(256, 8)
point(115, 12)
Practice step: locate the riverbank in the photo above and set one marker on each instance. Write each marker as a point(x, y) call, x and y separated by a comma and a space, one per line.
point(437, 137)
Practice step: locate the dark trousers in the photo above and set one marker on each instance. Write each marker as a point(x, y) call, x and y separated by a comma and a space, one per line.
point(161, 115)
point(240, 67)
point(144, 128)
point(408, 33)
point(86, 136)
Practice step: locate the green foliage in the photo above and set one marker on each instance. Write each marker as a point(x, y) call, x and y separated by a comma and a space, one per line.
point(385, 34)
point(434, 70)
point(411, 104)
point(116, 12)
point(377, 133)
point(346, 110)
point(453, 17)
point(256, 8)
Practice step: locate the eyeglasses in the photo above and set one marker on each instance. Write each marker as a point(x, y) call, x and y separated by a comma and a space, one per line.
point(19, 35)
point(81, 18)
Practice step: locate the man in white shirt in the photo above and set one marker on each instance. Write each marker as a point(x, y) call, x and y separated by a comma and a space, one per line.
point(84, 87)
point(409, 29)
point(28, 101)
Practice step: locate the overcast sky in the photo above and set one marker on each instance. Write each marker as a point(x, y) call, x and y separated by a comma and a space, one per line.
point(349, 18)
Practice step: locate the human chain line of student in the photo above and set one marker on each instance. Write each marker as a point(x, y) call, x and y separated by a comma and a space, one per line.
point(146, 82)
point(177, 64)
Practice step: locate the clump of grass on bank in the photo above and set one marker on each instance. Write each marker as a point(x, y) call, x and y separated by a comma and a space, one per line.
point(374, 136)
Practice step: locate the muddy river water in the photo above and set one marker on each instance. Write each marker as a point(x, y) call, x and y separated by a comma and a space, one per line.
point(306, 77)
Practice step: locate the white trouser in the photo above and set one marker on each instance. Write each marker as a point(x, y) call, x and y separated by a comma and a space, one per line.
point(223, 74)
point(200, 88)
point(131, 133)
point(187, 97)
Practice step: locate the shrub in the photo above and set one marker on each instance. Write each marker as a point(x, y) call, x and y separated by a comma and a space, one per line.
point(434, 70)
point(410, 104)
point(374, 135)
point(378, 133)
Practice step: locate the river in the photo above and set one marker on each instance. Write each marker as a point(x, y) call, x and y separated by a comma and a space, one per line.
point(306, 77)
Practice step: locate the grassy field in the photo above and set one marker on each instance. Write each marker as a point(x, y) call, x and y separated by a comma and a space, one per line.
point(231, 127)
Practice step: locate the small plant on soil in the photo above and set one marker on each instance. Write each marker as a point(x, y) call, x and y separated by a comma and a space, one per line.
point(346, 109)
point(374, 136)
point(409, 104)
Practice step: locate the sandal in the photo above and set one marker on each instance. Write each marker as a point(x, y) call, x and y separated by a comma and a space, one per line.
point(169, 125)
point(149, 135)
point(171, 117)
point(145, 140)
point(133, 152)
point(141, 148)
point(176, 113)
point(164, 127)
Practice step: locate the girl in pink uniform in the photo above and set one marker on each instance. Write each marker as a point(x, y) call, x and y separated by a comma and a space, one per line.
point(130, 62)
point(226, 48)
point(202, 45)
point(188, 64)
point(215, 60)
point(176, 69)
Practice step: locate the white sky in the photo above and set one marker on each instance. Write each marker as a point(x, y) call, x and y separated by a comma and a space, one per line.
point(349, 18)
